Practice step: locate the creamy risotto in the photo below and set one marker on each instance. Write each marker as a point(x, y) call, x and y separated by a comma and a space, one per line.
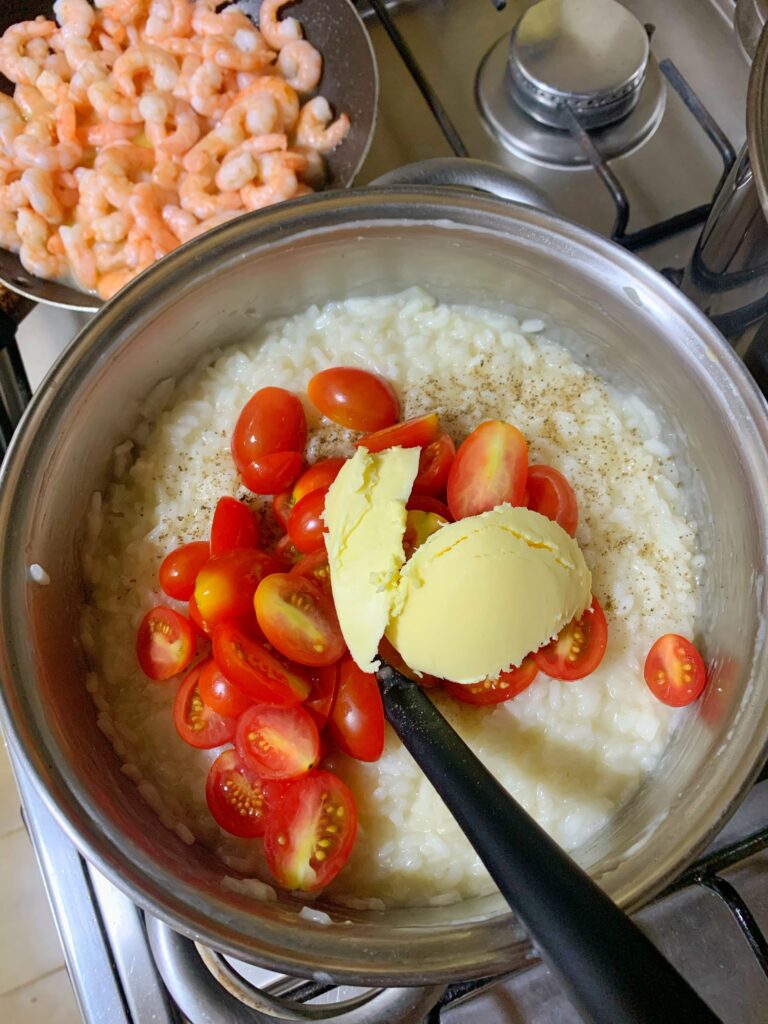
point(570, 752)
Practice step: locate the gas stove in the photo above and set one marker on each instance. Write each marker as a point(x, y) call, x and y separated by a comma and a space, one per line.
point(632, 140)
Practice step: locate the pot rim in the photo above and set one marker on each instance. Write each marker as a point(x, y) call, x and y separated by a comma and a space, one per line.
point(442, 209)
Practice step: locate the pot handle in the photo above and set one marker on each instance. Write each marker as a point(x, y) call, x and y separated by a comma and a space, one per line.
point(467, 173)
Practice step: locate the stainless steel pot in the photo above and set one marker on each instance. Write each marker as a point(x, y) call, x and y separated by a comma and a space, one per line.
point(634, 327)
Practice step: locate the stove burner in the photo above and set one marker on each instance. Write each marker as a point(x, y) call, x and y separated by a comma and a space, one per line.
point(513, 123)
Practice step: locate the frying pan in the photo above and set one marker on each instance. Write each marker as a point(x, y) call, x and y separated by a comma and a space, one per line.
point(349, 82)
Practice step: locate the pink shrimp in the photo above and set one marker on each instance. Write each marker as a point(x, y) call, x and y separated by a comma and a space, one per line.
point(177, 132)
point(33, 250)
point(11, 123)
point(245, 51)
point(112, 227)
point(80, 254)
point(316, 127)
point(213, 222)
point(213, 147)
point(145, 204)
point(35, 146)
point(38, 187)
point(207, 91)
point(241, 166)
point(277, 33)
point(196, 195)
point(31, 102)
point(105, 134)
point(15, 62)
point(110, 284)
point(9, 236)
point(278, 174)
point(250, 106)
point(181, 222)
point(119, 168)
point(159, 65)
point(165, 173)
point(168, 18)
point(301, 65)
point(111, 105)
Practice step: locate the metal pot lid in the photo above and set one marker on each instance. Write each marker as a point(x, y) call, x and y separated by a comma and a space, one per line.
point(589, 54)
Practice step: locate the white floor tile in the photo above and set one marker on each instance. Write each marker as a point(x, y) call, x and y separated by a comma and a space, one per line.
point(29, 945)
point(10, 816)
point(48, 1000)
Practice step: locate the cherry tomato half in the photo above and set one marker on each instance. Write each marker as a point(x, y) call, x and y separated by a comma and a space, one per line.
point(226, 584)
point(278, 743)
point(579, 647)
point(179, 569)
point(419, 526)
point(271, 473)
point(674, 671)
point(416, 433)
point(237, 798)
point(320, 474)
point(310, 835)
point(165, 643)
point(219, 694)
point(298, 618)
point(495, 691)
point(356, 723)
point(234, 526)
point(435, 464)
point(318, 704)
point(272, 420)
point(305, 523)
point(550, 494)
point(282, 504)
point(201, 627)
point(424, 503)
point(196, 723)
point(286, 554)
point(490, 467)
point(354, 398)
point(265, 676)
point(315, 567)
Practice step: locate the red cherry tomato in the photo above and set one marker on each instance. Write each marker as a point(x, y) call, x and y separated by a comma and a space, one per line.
point(318, 704)
point(219, 694)
point(226, 584)
point(579, 647)
point(550, 494)
point(282, 504)
point(315, 567)
point(165, 643)
point(320, 474)
point(271, 473)
point(353, 398)
point(179, 569)
point(286, 554)
point(356, 723)
point(416, 433)
point(495, 691)
point(234, 526)
point(491, 467)
point(278, 743)
point(237, 798)
point(305, 523)
point(310, 835)
point(272, 420)
point(435, 464)
point(265, 676)
point(201, 627)
point(196, 723)
point(675, 671)
point(424, 503)
point(298, 618)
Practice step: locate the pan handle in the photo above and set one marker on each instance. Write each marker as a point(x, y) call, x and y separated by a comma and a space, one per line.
point(466, 173)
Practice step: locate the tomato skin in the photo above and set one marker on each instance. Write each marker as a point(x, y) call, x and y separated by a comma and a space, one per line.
point(314, 567)
point(356, 722)
point(272, 420)
point(234, 526)
point(273, 472)
point(319, 475)
point(305, 523)
point(415, 433)
point(318, 704)
point(263, 675)
point(425, 503)
point(199, 624)
point(419, 527)
point(298, 618)
point(219, 694)
point(300, 822)
point(239, 801)
point(435, 464)
point(278, 743)
point(550, 494)
point(196, 723)
point(491, 467)
point(282, 504)
point(674, 671)
point(579, 647)
point(165, 643)
point(496, 691)
point(226, 584)
point(286, 554)
point(354, 398)
point(179, 569)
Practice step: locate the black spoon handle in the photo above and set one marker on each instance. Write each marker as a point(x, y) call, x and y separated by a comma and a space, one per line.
point(614, 974)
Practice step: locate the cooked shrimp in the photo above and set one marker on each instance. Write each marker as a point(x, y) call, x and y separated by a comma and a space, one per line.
point(213, 147)
point(207, 93)
point(250, 108)
point(38, 187)
point(241, 166)
point(315, 172)
point(177, 132)
point(111, 283)
point(145, 205)
point(159, 65)
point(53, 89)
point(301, 65)
point(196, 196)
point(278, 173)
point(213, 222)
point(12, 196)
point(11, 122)
point(127, 12)
point(110, 104)
point(109, 256)
point(9, 236)
point(168, 18)
point(15, 62)
point(92, 203)
point(165, 173)
point(75, 18)
point(113, 227)
point(35, 147)
point(31, 102)
point(105, 134)
point(181, 222)
point(33, 250)
point(80, 254)
point(316, 127)
point(277, 33)
point(246, 51)
point(119, 168)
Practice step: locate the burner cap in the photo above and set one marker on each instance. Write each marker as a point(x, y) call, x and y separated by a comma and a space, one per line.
point(589, 54)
